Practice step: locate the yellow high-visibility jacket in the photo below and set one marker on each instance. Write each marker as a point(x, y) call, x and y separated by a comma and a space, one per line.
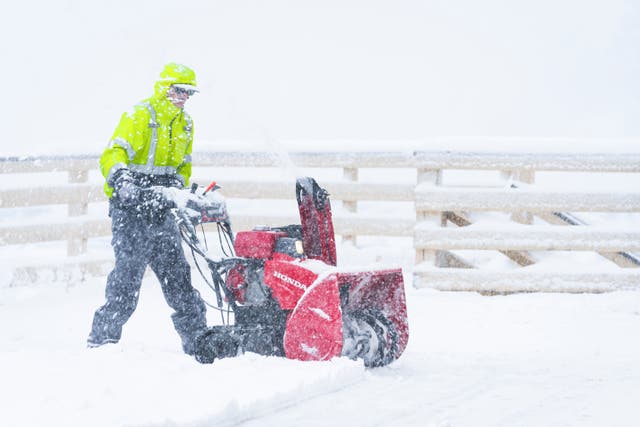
point(156, 138)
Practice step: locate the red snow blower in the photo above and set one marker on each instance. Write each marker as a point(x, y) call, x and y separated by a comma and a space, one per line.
point(285, 293)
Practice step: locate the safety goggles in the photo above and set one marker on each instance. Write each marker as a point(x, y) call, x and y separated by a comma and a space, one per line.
point(183, 89)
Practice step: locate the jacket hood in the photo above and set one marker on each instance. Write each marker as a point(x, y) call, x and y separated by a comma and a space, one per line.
point(174, 74)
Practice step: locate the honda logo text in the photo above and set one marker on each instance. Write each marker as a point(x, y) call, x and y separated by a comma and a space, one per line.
point(289, 280)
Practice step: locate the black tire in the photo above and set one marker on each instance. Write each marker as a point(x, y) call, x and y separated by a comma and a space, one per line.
point(381, 348)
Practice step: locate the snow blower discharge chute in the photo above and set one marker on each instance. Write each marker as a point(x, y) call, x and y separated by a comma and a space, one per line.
point(280, 293)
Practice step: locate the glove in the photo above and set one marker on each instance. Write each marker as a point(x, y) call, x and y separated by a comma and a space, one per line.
point(126, 192)
point(212, 207)
point(154, 205)
point(155, 200)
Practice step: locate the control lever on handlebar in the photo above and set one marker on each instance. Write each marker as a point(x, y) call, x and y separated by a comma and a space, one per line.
point(213, 186)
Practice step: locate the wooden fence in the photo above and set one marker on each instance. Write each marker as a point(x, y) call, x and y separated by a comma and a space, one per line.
point(443, 213)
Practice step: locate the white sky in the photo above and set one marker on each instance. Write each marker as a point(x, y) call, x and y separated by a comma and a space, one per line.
point(332, 69)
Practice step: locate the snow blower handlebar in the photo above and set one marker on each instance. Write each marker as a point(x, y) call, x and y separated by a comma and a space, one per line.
point(190, 209)
point(193, 208)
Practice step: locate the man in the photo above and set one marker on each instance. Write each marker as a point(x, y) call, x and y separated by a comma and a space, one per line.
point(150, 147)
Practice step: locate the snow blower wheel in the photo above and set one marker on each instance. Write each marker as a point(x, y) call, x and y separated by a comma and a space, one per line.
point(371, 337)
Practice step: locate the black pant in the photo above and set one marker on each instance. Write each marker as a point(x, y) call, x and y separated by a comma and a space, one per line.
point(137, 242)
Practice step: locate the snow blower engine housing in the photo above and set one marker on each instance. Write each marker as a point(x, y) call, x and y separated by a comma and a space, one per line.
point(285, 292)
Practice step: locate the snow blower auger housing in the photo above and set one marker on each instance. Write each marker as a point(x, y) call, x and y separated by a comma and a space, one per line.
point(285, 293)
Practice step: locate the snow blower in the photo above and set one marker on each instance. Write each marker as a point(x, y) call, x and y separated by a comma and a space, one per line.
point(281, 289)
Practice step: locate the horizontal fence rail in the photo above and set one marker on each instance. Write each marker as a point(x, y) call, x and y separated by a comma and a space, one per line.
point(528, 238)
point(54, 195)
point(452, 279)
point(338, 190)
point(624, 162)
point(72, 229)
point(506, 200)
point(442, 224)
point(244, 189)
point(88, 228)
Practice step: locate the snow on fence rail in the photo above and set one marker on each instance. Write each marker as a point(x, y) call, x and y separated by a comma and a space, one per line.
point(436, 207)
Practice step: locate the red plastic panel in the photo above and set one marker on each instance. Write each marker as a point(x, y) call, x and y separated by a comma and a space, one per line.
point(314, 329)
point(236, 282)
point(288, 281)
point(381, 290)
point(316, 220)
point(256, 244)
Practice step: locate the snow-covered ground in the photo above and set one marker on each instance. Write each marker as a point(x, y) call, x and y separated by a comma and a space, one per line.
point(518, 360)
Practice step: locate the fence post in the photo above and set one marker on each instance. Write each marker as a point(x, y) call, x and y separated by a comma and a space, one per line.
point(525, 177)
point(77, 244)
point(435, 219)
point(351, 175)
